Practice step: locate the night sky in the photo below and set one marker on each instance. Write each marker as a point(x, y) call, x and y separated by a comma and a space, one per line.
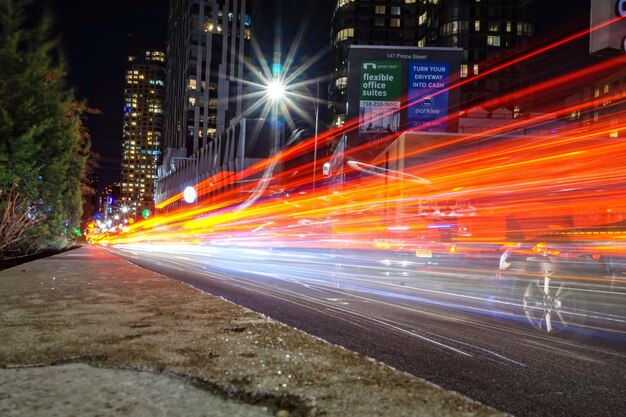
point(96, 36)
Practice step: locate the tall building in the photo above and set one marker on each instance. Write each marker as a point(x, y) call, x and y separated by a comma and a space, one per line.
point(207, 43)
point(490, 32)
point(144, 96)
point(483, 29)
point(207, 134)
point(362, 22)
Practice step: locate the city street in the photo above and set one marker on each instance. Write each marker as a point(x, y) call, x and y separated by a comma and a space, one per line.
point(320, 208)
point(447, 323)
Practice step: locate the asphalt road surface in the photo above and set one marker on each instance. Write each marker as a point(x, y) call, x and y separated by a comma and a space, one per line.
point(449, 323)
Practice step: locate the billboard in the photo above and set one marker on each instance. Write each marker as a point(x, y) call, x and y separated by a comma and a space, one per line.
point(393, 89)
point(428, 97)
point(380, 92)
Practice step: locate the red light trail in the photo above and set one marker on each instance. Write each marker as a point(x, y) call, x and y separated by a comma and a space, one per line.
point(422, 190)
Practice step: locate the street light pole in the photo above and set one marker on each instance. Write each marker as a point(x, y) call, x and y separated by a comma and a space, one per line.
point(316, 103)
point(275, 125)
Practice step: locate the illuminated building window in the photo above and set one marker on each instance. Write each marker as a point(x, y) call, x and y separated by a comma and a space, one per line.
point(451, 28)
point(395, 10)
point(341, 82)
point(614, 134)
point(380, 9)
point(524, 29)
point(494, 27)
point(192, 101)
point(422, 19)
point(421, 42)
point(344, 34)
point(394, 23)
point(409, 1)
point(493, 40)
point(463, 70)
point(508, 26)
point(606, 88)
point(477, 25)
point(475, 69)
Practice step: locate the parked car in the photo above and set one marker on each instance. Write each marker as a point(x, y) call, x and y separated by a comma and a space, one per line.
point(570, 280)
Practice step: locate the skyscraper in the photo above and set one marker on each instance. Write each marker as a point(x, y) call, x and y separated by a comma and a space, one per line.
point(361, 22)
point(489, 31)
point(483, 29)
point(207, 43)
point(142, 129)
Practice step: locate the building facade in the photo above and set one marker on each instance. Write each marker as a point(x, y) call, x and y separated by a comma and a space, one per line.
point(483, 29)
point(206, 132)
point(144, 95)
point(490, 33)
point(601, 104)
point(207, 43)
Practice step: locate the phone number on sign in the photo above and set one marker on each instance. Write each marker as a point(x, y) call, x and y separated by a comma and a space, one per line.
point(388, 104)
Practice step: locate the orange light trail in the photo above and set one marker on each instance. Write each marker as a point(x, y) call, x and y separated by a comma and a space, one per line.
point(454, 193)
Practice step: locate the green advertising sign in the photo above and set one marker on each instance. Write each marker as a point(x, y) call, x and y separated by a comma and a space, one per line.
point(381, 80)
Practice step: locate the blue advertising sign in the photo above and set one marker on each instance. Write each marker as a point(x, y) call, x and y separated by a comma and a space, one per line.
point(428, 96)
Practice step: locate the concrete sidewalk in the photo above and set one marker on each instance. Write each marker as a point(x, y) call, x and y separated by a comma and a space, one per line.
point(86, 333)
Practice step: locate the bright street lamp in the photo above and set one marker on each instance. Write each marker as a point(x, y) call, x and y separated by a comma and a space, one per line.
point(275, 90)
point(317, 112)
point(190, 194)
